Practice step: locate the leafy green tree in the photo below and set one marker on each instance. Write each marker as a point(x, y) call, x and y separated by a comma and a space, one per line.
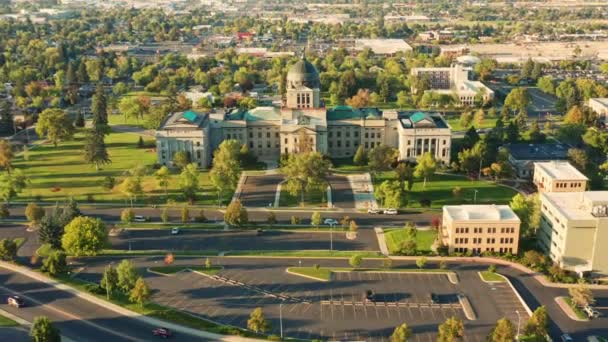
point(381, 157)
point(94, 149)
point(226, 168)
point(257, 322)
point(426, 167)
point(164, 215)
point(401, 333)
point(517, 99)
point(55, 125)
point(355, 261)
point(390, 194)
point(581, 295)
point(316, 219)
point(163, 176)
point(305, 172)
point(537, 323)
point(126, 276)
point(405, 173)
point(236, 214)
point(55, 263)
point(504, 331)
point(127, 215)
point(421, 262)
point(6, 155)
point(12, 184)
point(546, 84)
point(189, 182)
point(44, 331)
point(8, 250)
point(466, 119)
point(451, 330)
point(185, 214)
point(4, 212)
point(99, 108)
point(140, 292)
point(84, 236)
point(360, 157)
point(109, 280)
point(272, 218)
point(34, 213)
point(181, 159)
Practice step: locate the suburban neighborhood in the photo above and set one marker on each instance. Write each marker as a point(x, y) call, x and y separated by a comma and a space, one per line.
point(204, 170)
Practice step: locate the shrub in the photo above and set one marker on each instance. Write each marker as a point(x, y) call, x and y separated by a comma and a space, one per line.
point(295, 220)
point(425, 202)
point(492, 268)
point(4, 212)
point(201, 216)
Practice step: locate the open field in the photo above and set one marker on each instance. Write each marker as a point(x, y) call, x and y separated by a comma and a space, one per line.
point(439, 190)
point(57, 173)
point(395, 237)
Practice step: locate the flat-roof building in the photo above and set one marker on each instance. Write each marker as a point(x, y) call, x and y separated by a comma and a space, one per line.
point(386, 47)
point(558, 176)
point(480, 228)
point(600, 106)
point(522, 156)
point(574, 230)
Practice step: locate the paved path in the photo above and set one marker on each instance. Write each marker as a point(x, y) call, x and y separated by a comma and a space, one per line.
point(363, 190)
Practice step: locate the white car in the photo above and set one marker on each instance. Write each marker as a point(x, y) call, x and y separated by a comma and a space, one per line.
point(390, 211)
point(139, 218)
point(373, 211)
point(174, 230)
point(330, 221)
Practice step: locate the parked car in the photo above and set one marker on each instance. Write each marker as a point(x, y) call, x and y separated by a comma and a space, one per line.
point(15, 301)
point(174, 230)
point(566, 338)
point(139, 218)
point(162, 332)
point(259, 232)
point(331, 221)
point(390, 211)
point(369, 296)
point(591, 312)
point(373, 211)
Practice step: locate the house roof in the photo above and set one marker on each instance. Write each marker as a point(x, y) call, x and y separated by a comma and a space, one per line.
point(523, 151)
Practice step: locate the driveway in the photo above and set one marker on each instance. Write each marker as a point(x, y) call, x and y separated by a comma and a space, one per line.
point(260, 191)
point(341, 191)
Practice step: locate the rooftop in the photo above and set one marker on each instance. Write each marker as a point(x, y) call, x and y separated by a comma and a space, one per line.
point(487, 212)
point(187, 119)
point(350, 113)
point(421, 120)
point(523, 151)
point(577, 205)
point(383, 46)
point(561, 170)
point(256, 114)
point(601, 100)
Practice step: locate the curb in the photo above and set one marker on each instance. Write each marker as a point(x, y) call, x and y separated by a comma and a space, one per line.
point(492, 281)
point(305, 276)
point(561, 302)
point(467, 308)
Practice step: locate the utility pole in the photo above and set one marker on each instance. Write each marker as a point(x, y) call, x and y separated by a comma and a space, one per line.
point(518, 323)
point(281, 318)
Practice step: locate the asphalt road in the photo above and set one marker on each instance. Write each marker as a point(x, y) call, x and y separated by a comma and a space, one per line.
point(76, 318)
point(342, 193)
point(260, 191)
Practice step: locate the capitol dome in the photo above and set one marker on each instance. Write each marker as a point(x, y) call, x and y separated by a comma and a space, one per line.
point(303, 73)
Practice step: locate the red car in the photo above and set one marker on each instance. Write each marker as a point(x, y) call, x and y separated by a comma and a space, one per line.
point(162, 332)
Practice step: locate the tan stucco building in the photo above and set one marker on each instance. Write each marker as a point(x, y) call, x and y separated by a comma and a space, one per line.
point(480, 228)
point(558, 176)
point(337, 132)
point(574, 230)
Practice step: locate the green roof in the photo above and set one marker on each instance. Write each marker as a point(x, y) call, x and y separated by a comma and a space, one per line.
point(256, 114)
point(418, 116)
point(348, 112)
point(190, 116)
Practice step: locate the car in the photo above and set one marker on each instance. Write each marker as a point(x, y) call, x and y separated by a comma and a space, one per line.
point(259, 232)
point(174, 230)
point(390, 211)
point(331, 221)
point(566, 338)
point(15, 301)
point(369, 296)
point(139, 218)
point(591, 312)
point(373, 211)
point(162, 332)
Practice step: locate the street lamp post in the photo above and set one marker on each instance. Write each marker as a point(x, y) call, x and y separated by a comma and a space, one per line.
point(518, 323)
point(281, 318)
point(331, 237)
point(475, 196)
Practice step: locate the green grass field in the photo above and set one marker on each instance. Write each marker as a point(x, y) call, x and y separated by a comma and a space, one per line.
point(579, 313)
point(456, 126)
point(346, 165)
point(7, 322)
point(311, 199)
point(395, 237)
point(439, 191)
point(491, 276)
point(57, 173)
point(119, 119)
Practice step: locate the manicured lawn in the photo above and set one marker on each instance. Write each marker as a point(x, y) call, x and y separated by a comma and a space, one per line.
point(439, 190)
point(175, 269)
point(347, 165)
point(303, 254)
point(579, 313)
point(456, 126)
point(57, 173)
point(395, 237)
point(313, 198)
point(119, 119)
point(7, 322)
point(115, 252)
point(324, 273)
point(491, 276)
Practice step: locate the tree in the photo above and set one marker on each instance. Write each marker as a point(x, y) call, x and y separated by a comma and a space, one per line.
point(538, 322)
point(504, 331)
point(140, 292)
point(480, 116)
point(34, 213)
point(381, 157)
point(127, 276)
point(226, 168)
point(189, 181)
point(579, 158)
point(360, 157)
point(316, 219)
point(517, 99)
point(55, 263)
point(355, 261)
point(305, 172)
point(43, 330)
point(84, 236)
point(405, 173)
point(451, 330)
point(546, 84)
point(109, 280)
point(4, 212)
point(272, 218)
point(181, 159)
point(94, 149)
point(236, 214)
point(401, 333)
point(99, 108)
point(389, 193)
point(466, 119)
point(257, 322)
point(8, 250)
point(6, 155)
point(426, 167)
point(421, 262)
point(162, 176)
point(361, 99)
point(536, 136)
point(127, 215)
point(12, 184)
point(581, 295)
point(185, 214)
point(55, 125)
point(353, 227)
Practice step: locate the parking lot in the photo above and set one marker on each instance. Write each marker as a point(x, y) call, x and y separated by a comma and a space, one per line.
point(334, 310)
point(220, 240)
point(260, 191)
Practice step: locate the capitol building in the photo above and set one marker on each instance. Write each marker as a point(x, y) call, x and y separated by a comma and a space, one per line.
point(271, 131)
